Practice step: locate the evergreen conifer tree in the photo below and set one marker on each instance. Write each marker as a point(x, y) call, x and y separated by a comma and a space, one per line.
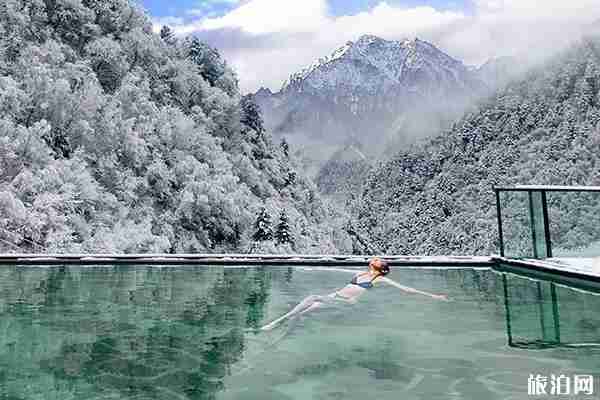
point(263, 230)
point(212, 67)
point(290, 178)
point(251, 114)
point(285, 147)
point(168, 35)
point(283, 231)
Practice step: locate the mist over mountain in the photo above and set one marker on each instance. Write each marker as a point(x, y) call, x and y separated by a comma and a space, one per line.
point(345, 172)
point(436, 197)
point(379, 93)
point(498, 72)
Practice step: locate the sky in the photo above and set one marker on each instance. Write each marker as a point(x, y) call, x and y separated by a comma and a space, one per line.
point(265, 41)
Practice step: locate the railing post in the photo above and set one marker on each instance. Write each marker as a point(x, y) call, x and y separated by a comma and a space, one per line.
point(540, 299)
point(555, 312)
point(539, 223)
point(532, 224)
point(546, 225)
point(499, 216)
point(507, 310)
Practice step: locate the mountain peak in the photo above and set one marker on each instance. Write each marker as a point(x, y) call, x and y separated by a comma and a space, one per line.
point(372, 59)
point(368, 39)
point(263, 91)
point(304, 73)
point(367, 90)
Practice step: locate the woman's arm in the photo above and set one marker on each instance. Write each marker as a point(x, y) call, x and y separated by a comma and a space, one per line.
point(413, 290)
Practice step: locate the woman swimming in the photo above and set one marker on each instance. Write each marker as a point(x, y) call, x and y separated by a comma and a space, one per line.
point(360, 283)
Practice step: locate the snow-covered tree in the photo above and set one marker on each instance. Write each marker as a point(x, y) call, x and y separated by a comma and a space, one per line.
point(285, 147)
point(283, 231)
point(212, 67)
point(263, 229)
point(167, 34)
point(251, 116)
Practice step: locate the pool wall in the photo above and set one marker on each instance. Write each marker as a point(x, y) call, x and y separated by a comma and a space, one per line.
point(236, 259)
point(571, 271)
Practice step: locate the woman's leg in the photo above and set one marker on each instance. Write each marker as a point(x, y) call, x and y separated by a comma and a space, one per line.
point(304, 306)
point(316, 304)
point(339, 297)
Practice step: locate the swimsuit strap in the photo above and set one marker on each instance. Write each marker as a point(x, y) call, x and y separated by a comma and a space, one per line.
point(376, 276)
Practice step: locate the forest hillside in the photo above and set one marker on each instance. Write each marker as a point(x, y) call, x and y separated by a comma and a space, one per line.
point(437, 197)
point(116, 139)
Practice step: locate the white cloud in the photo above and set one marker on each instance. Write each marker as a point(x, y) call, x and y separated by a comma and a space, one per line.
point(196, 12)
point(207, 7)
point(393, 22)
point(546, 9)
point(520, 27)
point(268, 16)
point(289, 34)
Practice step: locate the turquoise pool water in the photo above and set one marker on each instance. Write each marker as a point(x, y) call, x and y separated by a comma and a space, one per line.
point(190, 333)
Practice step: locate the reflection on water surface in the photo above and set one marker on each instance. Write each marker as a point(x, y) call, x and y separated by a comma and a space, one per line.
point(190, 333)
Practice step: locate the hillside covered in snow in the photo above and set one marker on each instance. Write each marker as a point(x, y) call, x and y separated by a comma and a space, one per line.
point(116, 139)
point(437, 197)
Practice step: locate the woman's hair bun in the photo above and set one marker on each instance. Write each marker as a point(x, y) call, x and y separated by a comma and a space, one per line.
point(384, 268)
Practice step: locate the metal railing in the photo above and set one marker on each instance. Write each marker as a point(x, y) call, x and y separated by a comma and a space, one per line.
point(544, 313)
point(535, 214)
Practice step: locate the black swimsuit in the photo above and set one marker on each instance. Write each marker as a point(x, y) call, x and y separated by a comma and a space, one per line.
point(364, 285)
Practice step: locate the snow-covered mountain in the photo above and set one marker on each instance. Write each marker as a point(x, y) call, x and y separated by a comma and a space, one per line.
point(373, 91)
point(373, 65)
